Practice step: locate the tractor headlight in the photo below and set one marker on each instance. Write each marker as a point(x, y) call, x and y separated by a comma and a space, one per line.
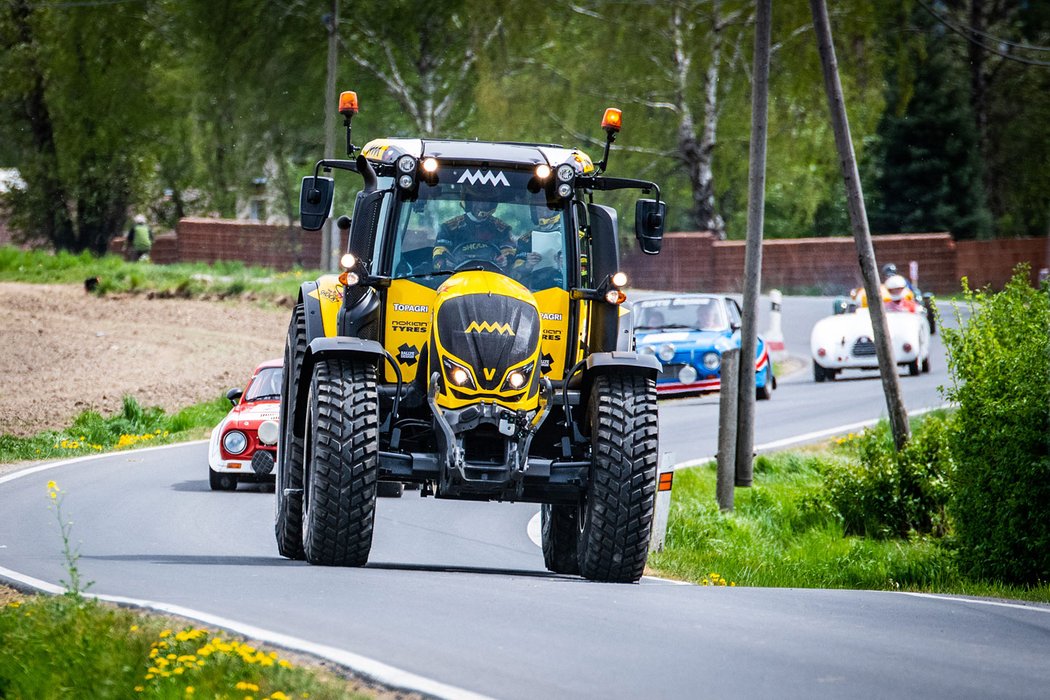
point(405, 182)
point(687, 375)
point(564, 190)
point(235, 442)
point(406, 164)
point(543, 171)
point(666, 352)
point(268, 432)
point(517, 378)
point(566, 173)
point(347, 261)
point(458, 375)
point(712, 361)
point(430, 165)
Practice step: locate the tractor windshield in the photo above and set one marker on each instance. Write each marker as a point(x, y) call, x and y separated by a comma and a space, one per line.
point(481, 219)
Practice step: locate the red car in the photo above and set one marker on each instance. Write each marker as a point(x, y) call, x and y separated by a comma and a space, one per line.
point(244, 445)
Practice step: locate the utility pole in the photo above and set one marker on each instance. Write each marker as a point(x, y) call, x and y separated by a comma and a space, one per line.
point(329, 235)
point(756, 201)
point(858, 217)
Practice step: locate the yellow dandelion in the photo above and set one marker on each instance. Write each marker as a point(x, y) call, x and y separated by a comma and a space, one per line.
point(15, 604)
point(149, 676)
point(133, 628)
point(278, 695)
point(245, 685)
point(52, 485)
point(139, 688)
point(164, 633)
point(284, 664)
point(179, 670)
point(189, 690)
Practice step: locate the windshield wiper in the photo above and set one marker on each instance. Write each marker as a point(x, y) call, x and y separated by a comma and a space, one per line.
point(265, 397)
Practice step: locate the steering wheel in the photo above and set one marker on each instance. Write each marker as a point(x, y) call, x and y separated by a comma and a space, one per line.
point(476, 254)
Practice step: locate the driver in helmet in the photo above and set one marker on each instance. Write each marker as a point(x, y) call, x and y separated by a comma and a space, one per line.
point(476, 234)
point(899, 300)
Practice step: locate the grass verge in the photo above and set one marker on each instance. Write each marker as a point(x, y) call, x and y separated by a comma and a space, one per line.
point(221, 280)
point(784, 532)
point(70, 646)
point(133, 426)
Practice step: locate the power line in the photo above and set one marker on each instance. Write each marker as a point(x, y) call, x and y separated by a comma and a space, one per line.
point(968, 33)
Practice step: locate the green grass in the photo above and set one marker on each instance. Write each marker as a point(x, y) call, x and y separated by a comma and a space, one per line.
point(184, 280)
point(783, 533)
point(68, 646)
point(133, 426)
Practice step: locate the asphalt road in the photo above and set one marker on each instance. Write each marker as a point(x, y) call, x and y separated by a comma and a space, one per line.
point(455, 600)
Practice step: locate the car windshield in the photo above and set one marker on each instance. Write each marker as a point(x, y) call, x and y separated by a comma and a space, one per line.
point(484, 219)
point(266, 385)
point(705, 314)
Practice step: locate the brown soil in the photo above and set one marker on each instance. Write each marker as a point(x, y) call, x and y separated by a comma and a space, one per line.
point(64, 351)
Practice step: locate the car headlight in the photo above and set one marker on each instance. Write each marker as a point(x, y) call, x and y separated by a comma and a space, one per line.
point(457, 374)
point(687, 375)
point(712, 361)
point(268, 432)
point(517, 378)
point(666, 352)
point(234, 442)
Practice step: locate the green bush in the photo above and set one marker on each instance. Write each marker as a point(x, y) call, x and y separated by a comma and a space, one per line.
point(884, 493)
point(1000, 364)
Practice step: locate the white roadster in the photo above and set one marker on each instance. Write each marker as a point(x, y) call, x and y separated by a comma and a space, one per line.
point(845, 341)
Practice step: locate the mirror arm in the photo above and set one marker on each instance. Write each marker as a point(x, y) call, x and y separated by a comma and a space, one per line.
point(596, 182)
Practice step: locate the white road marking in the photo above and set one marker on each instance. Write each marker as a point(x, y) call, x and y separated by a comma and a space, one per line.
point(1017, 606)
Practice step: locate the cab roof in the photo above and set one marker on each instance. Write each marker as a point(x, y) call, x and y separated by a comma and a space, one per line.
point(509, 153)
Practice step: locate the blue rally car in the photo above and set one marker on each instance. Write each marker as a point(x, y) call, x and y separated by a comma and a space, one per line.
point(688, 334)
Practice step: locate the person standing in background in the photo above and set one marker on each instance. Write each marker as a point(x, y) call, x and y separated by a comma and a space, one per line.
point(140, 239)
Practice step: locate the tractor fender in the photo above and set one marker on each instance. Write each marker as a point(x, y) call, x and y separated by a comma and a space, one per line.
point(619, 362)
point(325, 348)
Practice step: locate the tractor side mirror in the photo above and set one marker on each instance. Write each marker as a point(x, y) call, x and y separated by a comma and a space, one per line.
point(234, 395)
point(315, 201)
point(649, 218)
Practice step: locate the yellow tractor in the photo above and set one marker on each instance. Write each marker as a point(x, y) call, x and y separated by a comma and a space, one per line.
point(475, 345)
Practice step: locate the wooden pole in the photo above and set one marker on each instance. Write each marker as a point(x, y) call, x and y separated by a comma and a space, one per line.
point(727, 430)
point(329, 236)
point(756, 200)
point(859, 224)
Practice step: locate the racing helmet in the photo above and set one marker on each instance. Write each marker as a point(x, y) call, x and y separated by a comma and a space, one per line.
point(889, 270)
point(545, 219)
point(896, 287)
point(478, 203)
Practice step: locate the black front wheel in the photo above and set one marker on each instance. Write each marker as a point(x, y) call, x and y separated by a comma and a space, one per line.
point(617, 513)
point(341, 463)
point(558, 532)
point(288, 484)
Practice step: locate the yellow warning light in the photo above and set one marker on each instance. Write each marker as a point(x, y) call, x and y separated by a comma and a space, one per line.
point(348, 103)
point(613, 119)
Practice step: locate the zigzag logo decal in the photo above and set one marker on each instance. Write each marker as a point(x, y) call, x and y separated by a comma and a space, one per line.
point(486, 327)
point(486, 178)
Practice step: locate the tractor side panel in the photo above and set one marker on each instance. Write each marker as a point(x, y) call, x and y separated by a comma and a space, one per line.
point(407, 314)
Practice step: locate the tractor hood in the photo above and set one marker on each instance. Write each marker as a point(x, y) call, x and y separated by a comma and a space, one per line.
point(486, 328)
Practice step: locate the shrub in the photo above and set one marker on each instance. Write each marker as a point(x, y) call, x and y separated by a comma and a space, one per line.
point(885, 493)
point(999, 359)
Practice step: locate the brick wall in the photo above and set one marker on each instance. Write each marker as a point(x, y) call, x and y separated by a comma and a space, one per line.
point(992, 262)
point(693, 262)
point(689, 262)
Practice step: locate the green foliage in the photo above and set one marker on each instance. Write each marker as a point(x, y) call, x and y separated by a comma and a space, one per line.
point(784, 532)
point(929, 165)
point(67, 646)
point(880, 492)
point(1000, 363)
point(134, 425)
